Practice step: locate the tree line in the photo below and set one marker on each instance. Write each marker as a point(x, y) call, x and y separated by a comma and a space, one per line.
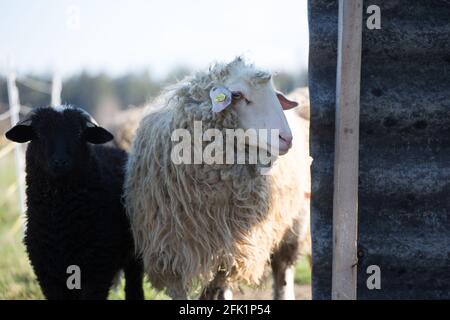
point(94, 91)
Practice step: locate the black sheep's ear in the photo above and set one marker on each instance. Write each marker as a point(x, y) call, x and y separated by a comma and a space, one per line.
point(20, 133)
point(97, 135)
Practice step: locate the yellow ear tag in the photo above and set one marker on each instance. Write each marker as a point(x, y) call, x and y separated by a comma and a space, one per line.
point(220, 97)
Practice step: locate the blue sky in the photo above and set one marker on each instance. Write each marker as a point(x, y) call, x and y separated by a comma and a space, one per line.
point(131, 35)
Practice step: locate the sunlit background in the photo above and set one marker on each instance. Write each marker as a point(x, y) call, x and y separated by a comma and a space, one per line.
point(123, 52)
point(132, 35)
point(108, 56)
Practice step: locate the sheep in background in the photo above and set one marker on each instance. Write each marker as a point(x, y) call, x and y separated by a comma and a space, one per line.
point(219, 224)
point(301, 96)
point(75, 216)
point(123, 126)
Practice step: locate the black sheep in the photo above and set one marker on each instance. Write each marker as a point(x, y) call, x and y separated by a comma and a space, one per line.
point(75, 213)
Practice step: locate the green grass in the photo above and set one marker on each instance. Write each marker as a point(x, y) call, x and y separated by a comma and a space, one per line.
point(16, 277)
point(303, 271)
point(17, 280)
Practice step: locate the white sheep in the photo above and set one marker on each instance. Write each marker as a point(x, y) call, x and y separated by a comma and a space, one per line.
point(217, 224)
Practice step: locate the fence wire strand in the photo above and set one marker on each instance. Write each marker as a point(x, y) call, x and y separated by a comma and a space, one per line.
point(36, 85)
point(5, 115)
point(6, 150)
point(9, 193)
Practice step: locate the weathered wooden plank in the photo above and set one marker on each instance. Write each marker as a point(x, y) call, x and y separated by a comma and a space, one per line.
point(345, 199)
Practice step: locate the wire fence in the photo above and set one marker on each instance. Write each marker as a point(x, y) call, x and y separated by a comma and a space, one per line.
point(14, 112)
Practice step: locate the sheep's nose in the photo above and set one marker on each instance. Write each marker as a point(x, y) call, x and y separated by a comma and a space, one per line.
point(60, 163)
point(286, 138)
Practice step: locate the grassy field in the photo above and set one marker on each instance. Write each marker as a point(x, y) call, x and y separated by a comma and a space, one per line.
point(17, 280)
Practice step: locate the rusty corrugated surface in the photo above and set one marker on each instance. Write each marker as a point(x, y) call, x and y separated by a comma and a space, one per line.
point(404, 192)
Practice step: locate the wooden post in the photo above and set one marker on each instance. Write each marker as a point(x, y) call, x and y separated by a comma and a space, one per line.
point(56, 90)
point(345, 200)
point(14, 108)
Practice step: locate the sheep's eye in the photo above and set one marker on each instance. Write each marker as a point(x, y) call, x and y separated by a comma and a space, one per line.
point(236, 95)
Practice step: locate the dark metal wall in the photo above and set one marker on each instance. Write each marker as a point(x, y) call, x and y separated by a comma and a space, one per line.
point(404, 191)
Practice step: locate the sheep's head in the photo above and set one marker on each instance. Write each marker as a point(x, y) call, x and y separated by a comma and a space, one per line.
point(59, 138)
point(251, 94)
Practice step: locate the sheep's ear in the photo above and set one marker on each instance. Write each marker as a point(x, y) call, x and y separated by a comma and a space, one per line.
point(97, 135)
point(20, 133)
point(285, 102)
